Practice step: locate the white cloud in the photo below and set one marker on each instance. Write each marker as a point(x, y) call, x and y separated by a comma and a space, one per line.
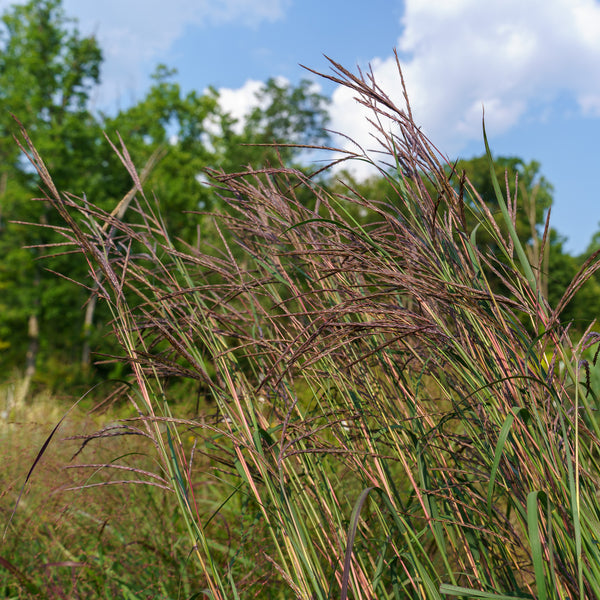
point(134, 33)
point(239, 102)
point(510, 56)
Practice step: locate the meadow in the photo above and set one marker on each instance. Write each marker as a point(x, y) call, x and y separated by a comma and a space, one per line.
point(374, 407)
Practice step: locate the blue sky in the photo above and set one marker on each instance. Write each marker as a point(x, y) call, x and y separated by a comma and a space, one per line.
point(533, 64)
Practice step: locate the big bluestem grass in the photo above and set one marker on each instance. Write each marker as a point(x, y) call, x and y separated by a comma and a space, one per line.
point(394, 421)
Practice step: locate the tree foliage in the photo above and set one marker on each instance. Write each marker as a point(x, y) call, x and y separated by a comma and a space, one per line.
point(48, 71)
point(522, 181)
point(532, 193)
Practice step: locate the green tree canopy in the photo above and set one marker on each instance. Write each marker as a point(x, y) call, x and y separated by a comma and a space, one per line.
point(48, 70)
point(534, 193)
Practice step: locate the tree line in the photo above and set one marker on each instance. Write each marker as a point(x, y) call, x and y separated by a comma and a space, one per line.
point(53, 331)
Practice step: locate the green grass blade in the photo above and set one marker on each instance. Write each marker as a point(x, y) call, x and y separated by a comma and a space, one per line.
point(456, 590)
point(535, 541)
point(504, 433)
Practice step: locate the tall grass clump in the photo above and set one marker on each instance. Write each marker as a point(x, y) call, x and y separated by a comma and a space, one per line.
point(398, 412)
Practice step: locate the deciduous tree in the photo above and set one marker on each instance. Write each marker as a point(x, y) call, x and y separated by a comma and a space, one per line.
point(47, 69)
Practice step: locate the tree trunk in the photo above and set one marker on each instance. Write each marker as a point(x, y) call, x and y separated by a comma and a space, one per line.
point(33, 335)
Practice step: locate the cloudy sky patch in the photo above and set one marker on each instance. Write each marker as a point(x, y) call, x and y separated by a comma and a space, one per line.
point(509, 57)
point(534, 66)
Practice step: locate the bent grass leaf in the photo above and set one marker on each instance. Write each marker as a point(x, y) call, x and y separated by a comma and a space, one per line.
point(502, 437)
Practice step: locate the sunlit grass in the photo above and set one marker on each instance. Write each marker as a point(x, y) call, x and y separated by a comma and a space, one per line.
point(108, 541)
point(381, 421)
